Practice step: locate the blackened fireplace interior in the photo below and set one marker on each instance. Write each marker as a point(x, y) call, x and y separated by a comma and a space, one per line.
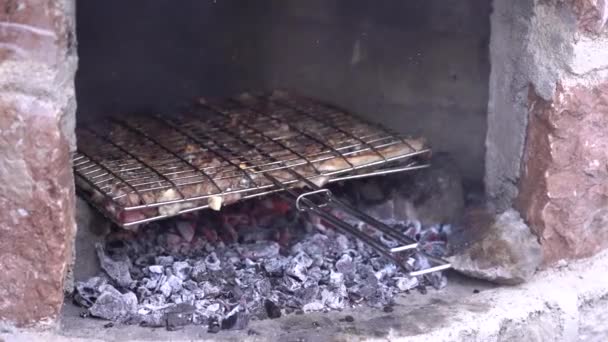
point(418, 68)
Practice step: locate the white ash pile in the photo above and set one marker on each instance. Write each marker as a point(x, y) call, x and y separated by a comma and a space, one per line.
point(253, 261)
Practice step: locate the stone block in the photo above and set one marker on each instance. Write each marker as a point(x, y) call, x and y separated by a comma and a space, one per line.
point(37, 30)
point(37, 64)
point(591, 14)
point(507, 252)
point(37, 216)
point(564, 184)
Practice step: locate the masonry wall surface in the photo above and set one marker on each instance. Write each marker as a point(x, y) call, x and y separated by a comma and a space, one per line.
point(37, 64)
point(548, 117)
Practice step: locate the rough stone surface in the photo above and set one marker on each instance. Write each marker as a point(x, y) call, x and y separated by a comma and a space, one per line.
point(547, 118)
point(564, 188)
point(37, 201)
point(506, 133)
point(37, 226)
point(530, 45)
point(593, 317)
point(35, 30)
point(507, 253)
point(589, 54)
point(591, 14)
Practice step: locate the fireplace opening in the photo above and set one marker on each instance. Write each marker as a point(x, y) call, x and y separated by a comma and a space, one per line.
point(339, 237)
point(419, 70)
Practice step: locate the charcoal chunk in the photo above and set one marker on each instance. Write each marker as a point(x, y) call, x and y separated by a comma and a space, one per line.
point(116, 270)
point(336, 279)
point(437, 280)
point(386, 271)
point(199, 271)
point(236, 319)
point(302, 259)
point(291, 284)
point(186, 230)
point(298, 267)
point(179, 316)
point(315, 245)
point(113, 305)
point(314, 306)
point(263, 286)
point(272, 310)
point(175, 283)
point(154, 301)
point(345, 264)
point(176, 321)
point(308, 294)
point(190, 285)
point(155, 319)
point(260, 250)
point(332, 300)
point(348, 319)
point(212, 262)
point(341, 243)
point(406, 283)
point(182, 269)
point(214, 326)
point(165, 261)
point(87, 292)
point(156, 269)
point(274, 266)
point(211, 290)
point(297, 271)
point(143, 292)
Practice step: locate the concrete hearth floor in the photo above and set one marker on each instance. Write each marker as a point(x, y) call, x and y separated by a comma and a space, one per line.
point(569, 303)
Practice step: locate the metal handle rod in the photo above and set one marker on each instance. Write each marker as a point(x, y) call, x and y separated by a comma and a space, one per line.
point(438, 268)
point(408, 167)
point(369, 220)
point(404, 248)
point(299, 198)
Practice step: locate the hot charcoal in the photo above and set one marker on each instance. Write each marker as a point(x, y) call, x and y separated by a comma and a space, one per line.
point(215, 269)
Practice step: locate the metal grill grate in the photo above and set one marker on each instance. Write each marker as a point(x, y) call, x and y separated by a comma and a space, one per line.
point(143, 168)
